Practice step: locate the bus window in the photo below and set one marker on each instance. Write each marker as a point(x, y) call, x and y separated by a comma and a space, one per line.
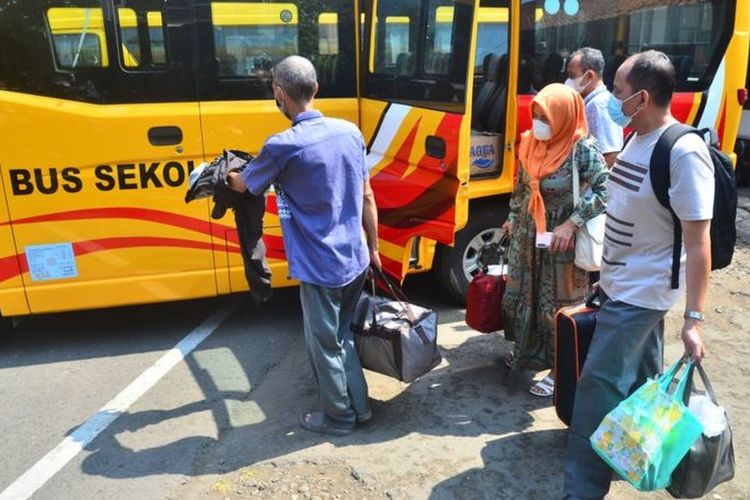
point(250, 38)
point(142, 35)
point(693, 33)
point(492, 34)
point(129, 36)
point(395, 40)
point(419, 51)
point(156, 38)
point(328, 33)
point(397, 45)
point(491, 75)
point(246, 38)
point(438, 50)
point(78, 37)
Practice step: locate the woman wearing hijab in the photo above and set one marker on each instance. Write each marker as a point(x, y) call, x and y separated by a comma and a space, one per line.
point(542, 280)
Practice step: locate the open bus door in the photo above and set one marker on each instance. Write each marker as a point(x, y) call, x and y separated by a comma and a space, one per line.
point(414, 90)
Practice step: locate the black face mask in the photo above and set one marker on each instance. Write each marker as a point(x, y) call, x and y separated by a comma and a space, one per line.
point(281, 108)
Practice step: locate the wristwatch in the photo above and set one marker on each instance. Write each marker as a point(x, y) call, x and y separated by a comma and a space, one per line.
point(696, 315)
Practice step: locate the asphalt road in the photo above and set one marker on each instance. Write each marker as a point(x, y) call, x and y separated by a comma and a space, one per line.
point(57, 371)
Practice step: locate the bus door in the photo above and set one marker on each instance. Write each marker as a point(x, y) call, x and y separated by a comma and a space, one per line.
point(239, 42)
point(100, 129)
point(415, 86)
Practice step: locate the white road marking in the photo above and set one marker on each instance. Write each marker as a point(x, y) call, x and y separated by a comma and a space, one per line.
point(34, 478)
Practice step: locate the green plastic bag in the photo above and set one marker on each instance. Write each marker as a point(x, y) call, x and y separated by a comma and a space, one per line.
point(646, 436)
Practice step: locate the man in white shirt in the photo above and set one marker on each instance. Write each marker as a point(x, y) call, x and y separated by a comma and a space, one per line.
point(627, 346)
point(585, 69)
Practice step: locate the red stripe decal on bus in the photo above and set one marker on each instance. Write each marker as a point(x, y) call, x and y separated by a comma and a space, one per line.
point(9, 266)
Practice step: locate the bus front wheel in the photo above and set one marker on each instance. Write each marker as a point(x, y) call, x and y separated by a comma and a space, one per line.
point(473, 249)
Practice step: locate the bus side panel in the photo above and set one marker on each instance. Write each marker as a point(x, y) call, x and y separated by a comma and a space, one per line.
point(12, 298)
point(98, 211)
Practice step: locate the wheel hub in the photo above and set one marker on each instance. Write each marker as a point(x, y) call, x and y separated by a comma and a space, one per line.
point(483, 250)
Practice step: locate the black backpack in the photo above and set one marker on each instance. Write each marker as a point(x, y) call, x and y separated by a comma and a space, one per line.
point(723, 229)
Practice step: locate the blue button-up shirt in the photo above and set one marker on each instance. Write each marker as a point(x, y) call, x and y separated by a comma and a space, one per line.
point(606, 132)
point(318, 170)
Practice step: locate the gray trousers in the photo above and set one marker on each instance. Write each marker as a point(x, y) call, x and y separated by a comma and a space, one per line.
point(327, 316)
point(627, 348)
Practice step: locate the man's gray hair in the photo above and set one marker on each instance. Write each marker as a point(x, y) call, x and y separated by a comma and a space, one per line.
point(296, 76)
point(591, 59)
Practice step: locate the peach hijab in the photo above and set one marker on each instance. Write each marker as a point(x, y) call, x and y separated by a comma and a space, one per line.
point(564, 109)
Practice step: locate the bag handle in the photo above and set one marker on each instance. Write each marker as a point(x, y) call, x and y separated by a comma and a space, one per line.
point(398, 295)
point(504, 243)
point(371, 278)
point(706, 384)
point(666, 379)
point(594, 301)
point(576, 179)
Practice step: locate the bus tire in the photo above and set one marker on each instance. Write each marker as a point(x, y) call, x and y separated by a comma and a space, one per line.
point(456, 263)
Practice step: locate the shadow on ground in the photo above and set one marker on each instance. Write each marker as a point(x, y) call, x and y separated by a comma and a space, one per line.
point(468, 396)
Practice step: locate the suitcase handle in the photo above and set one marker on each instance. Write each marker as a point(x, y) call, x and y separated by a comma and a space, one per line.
point(593, 301)
point(504, 243)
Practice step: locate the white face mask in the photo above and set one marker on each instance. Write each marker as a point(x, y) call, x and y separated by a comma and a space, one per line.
point(541, 130)
point(576, 84)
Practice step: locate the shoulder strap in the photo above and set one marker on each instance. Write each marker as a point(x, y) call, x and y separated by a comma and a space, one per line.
point(659, 173)
point(576, 178)
point(627, 139)
point(659, 165)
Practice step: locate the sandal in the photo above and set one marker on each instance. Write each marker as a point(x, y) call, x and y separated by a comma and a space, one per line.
point(544, 388)
point(316, 422)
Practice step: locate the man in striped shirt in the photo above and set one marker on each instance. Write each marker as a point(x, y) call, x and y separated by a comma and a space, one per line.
point(627, 346)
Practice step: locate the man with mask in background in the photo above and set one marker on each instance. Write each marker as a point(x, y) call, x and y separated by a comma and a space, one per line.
point(325, 200)
point(585, 69)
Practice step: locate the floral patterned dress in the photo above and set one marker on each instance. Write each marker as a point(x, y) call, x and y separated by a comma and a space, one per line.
point(541, 282)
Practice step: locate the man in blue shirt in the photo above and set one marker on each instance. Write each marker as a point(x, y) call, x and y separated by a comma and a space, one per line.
point(585, 70)
point(317, 168)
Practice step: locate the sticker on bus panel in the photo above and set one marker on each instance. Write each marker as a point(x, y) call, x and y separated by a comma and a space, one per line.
point(51, 262)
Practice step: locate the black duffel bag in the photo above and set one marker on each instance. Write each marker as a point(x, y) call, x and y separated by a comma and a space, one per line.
point(394, 337)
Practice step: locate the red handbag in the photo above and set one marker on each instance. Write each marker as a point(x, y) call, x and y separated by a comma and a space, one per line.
point(484, 300)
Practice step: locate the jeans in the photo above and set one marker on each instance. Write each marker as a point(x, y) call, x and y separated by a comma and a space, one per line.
point(627, 348)
point(327, 316)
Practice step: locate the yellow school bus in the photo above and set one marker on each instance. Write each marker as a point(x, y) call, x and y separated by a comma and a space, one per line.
point(105, 108)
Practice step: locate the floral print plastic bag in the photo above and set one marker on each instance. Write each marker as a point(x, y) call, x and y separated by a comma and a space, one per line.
point(646, 436)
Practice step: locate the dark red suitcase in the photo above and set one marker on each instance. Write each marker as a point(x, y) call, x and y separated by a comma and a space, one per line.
point(574, 329)
point(484, 301)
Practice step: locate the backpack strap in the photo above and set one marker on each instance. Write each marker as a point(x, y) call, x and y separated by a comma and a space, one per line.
point(660, 181)
point(627, 139)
